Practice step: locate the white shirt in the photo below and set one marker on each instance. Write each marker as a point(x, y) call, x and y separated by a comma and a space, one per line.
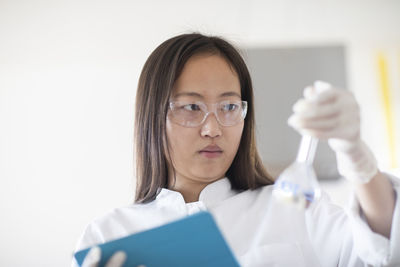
point(261, 232)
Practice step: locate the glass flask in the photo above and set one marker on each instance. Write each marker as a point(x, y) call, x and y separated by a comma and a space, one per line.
point(297, 184)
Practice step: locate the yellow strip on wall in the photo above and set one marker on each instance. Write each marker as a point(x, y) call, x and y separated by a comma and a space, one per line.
point(387, 106)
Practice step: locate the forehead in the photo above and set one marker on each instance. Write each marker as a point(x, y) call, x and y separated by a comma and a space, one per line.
point(207, 76)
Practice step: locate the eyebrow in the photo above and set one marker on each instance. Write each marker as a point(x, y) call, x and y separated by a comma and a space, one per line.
point(200, 96)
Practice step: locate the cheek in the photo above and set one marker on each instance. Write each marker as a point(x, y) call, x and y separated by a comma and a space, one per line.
point(233, 136)
point(236, 134)
point(179, 140)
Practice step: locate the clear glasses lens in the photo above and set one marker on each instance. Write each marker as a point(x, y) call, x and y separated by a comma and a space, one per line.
point(193, 114)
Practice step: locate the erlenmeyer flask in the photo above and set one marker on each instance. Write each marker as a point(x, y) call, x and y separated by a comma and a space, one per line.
point(298, 184)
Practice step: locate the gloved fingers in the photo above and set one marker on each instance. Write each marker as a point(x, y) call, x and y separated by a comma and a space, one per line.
point(338, 126)
point(328, 113)
point(348, 127)
point(337, 118)
point(93, 257)
point(317, 133)
point(316, 88)
point(319, 101)
point(345, 133)
point(320, 124)
point(311, 109)
point(321, 85)
point(308, 92)
point(313, 133)
point(117, 259)
point(319, 95)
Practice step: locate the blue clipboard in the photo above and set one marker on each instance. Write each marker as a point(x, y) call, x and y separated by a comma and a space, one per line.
point(192, 241)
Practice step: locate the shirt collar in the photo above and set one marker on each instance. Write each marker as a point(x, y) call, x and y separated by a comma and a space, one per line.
point(211, 195)
point(216, 192)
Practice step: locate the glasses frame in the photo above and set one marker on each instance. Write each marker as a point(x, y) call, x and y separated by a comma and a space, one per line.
point(204, 108)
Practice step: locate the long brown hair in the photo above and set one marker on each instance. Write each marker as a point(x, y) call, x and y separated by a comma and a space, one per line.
point(155, 86)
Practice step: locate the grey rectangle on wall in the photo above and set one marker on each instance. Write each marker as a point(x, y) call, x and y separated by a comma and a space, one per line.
point(279, 76)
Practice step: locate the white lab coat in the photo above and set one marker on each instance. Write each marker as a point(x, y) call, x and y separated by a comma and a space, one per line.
point(262, 232)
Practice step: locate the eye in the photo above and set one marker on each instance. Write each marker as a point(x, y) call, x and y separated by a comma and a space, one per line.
point(191, 107)
point(230, 107)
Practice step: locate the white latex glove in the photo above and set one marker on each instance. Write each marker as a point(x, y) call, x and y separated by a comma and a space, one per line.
point(334, 115)
point(93, 257)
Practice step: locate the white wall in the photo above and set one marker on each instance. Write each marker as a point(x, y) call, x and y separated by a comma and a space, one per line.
point(68, 71)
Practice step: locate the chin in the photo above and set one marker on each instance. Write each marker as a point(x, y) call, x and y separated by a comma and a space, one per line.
point(210, 176)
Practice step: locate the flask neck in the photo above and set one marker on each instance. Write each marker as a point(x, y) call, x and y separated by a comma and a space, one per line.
point(307, 149)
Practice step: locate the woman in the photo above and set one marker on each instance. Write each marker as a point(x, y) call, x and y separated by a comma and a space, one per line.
point(195, 150)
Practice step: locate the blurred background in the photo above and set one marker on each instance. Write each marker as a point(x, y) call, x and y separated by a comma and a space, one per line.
point(68, 76)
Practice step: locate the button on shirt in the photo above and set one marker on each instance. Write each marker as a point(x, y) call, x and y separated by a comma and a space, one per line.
point(261, 231)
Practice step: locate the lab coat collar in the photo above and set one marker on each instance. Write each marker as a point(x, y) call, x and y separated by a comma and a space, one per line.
point(216, 192)
point(211, 195)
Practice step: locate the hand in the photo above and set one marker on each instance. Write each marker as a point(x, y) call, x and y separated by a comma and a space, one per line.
point(93, 257)
point(334, 115)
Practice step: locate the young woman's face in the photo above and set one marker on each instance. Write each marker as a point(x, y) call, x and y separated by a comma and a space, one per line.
point(203, 154)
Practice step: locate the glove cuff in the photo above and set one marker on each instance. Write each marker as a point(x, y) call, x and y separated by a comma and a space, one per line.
point(355, 160)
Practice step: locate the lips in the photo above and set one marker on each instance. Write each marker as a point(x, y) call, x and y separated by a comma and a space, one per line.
point(211, 148)
point(211, 151)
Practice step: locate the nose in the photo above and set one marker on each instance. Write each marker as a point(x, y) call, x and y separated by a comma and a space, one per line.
point(211, 127)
